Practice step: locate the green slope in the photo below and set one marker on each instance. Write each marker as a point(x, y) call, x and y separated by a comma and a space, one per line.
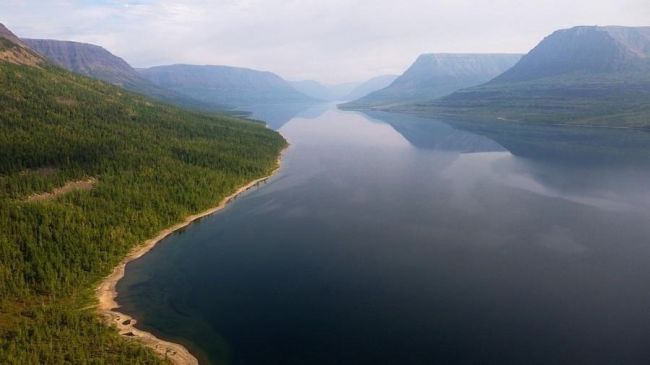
point(154, 164)
point(603, 100)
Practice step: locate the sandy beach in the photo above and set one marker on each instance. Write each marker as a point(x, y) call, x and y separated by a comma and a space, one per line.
point(106, 291)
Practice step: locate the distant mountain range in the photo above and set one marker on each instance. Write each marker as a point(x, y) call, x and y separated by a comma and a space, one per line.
point(322, 91)
point(370, 86)
point(200, 87)
point(234, 86)
point(436, 75)
point(96, 62)
point(587, 75)
point(342, 92)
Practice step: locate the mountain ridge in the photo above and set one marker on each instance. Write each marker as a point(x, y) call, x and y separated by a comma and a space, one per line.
point(587, 75)
point(584, 48)
point(97, 62)
point(9, 35)
point(371, 85)
point(314, 89)
point(342, 92)
point(14, 50)
point(224, 84)
point(436, 74)
point(82, 58)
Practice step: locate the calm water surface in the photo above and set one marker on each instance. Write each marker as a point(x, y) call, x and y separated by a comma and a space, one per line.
point(388, 239)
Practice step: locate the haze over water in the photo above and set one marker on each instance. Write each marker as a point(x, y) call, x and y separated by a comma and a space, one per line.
point(387, 239)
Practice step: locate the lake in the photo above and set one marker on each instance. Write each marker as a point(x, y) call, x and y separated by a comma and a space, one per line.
point(389, 239)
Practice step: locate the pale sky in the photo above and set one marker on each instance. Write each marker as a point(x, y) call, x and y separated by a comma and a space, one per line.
point(331, 41)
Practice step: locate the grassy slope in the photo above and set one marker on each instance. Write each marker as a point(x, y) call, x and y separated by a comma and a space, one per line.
point(614, 100)
point(154, 163)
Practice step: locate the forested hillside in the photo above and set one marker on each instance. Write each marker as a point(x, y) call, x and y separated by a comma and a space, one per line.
point(152, 165)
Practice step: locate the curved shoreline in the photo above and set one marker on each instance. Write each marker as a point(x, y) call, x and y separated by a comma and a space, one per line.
point(106, 291)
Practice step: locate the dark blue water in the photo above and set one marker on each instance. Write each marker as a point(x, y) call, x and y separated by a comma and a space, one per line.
point(388, 239)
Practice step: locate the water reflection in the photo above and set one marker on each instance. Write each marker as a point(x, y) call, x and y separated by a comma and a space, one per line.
point(277, 115)
point(555, 144)
point(567, 145)
point(605, 168)
point(435, 135)
point(411, 243)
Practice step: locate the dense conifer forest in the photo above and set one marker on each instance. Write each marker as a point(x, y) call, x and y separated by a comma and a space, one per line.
point(153, 165)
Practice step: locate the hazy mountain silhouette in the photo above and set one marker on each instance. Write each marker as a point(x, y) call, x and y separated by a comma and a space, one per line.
point(583, 75)
point(584, 49)
point(224, 84)
point(435, 75)
point(96, 62)
point(370, 86)
point(315, 89)
point(342, 92)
